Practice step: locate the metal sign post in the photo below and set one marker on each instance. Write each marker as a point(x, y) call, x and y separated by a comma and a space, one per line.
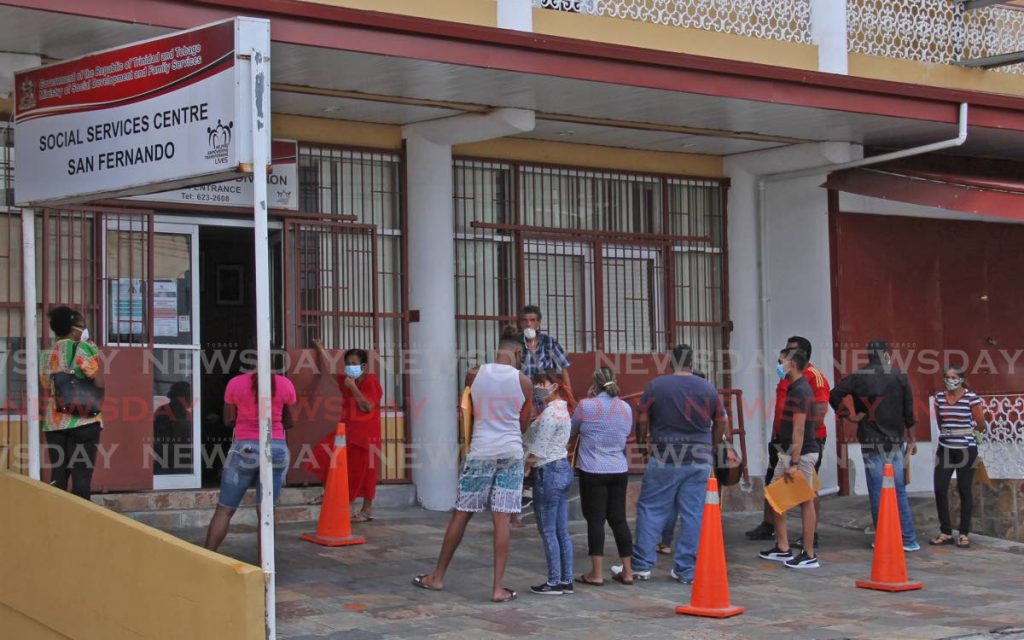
point(260, 74)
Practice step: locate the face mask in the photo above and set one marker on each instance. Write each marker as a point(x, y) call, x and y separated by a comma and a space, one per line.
point(353, 370)
point(530, 333)
point(781, 370)
point(85, 335)
point(541, 393)
point(953, 385)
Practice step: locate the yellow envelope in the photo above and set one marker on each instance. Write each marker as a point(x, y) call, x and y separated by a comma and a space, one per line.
point(783, 495)
point(465, 421)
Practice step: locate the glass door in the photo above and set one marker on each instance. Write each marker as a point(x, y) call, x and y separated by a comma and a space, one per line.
point(176, 451)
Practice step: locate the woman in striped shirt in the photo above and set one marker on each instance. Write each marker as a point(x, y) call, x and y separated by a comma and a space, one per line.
point(960, 411)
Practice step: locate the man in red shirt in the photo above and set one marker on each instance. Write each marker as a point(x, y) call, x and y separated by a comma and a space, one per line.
point(820, 387)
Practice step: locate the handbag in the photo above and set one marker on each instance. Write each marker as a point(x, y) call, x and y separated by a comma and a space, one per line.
point(73, 395)
point(728, 465)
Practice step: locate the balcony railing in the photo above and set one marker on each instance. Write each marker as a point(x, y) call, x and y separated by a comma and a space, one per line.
point(785, 20)
point(936, 31)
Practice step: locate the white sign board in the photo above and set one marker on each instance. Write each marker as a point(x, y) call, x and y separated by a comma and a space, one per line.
point(282, 185)
point(164, 113)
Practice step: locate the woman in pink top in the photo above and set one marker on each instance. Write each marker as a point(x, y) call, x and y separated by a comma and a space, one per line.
point(242, 469)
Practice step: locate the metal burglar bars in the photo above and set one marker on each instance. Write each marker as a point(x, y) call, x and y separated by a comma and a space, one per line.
point(348, 282)
point(619, 263)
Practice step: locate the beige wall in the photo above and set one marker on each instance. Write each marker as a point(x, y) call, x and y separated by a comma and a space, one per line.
point(73, 569)
point(635, 33)
point(328, 131)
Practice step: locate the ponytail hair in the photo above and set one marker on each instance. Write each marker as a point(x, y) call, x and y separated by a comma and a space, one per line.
point(604, 380)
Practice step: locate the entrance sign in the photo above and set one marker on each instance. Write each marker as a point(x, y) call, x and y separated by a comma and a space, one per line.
point(282, 185)
point(164, 113)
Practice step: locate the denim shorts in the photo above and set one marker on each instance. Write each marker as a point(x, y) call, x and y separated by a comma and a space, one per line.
point(242, 470)
point(494, 484)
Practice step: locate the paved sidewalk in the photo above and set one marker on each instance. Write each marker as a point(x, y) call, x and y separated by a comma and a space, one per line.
point(364, 592)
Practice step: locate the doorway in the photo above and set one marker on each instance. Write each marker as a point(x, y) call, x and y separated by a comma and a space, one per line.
point(227, 323)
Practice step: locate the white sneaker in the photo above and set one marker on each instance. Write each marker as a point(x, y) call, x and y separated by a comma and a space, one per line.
point(679, 578)
point(637, 575)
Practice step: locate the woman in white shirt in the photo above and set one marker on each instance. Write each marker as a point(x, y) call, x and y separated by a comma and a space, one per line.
point(547, 459)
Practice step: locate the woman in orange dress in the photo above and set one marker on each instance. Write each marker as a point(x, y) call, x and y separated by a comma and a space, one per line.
point(361, 395)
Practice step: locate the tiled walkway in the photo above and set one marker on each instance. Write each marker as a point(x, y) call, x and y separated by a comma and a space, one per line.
point(365, 593)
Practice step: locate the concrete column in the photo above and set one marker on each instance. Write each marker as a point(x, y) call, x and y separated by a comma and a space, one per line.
point(515, 14)
point(794, 258)
point(433, 383)
point(828, 31)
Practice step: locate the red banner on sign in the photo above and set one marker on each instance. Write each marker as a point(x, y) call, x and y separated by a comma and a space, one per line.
point(125, 75)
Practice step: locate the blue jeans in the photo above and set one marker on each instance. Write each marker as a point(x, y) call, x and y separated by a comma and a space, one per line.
point(551, 506)
point(875, 459)
point(242, 470)
point(669, 531)
point(669, 489)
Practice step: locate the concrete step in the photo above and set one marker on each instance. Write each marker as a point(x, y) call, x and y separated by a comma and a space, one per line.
point(192, 508)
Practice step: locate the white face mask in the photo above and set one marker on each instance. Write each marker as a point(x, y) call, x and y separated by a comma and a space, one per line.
point(85, 335)
point(529, 333)
point(953, 385)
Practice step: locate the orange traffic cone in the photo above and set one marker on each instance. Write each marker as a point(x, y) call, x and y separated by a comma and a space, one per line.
point(335, 528)
point(889, 567)
point(710, 597)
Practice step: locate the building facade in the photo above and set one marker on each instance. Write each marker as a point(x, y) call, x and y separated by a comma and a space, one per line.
point(646, 173)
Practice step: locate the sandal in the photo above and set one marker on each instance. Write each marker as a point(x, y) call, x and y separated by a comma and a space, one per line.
point(418, 581)
point(618, 578)
point(940, 539)
point(963, 541)
point(664, 549)
point(512, 595)
point(361, 516)
point(583, 579)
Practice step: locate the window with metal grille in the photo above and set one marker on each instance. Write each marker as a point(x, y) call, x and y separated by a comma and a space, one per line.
point(356, 312)
point(618, 262)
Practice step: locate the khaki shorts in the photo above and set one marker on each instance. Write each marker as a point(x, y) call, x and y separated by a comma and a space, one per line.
point(806, 465)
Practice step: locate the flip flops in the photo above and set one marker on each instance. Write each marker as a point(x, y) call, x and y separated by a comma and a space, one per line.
point(362, 517)
point(941, 539)
point(418, 582)
point(618, 578)
point(512, 595)
point(963, 542)
point(583, 579)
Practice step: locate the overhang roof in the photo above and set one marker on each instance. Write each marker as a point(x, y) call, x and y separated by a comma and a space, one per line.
point(365, 66)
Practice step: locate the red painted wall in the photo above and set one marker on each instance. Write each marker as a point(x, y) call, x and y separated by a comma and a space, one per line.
point(938, 290)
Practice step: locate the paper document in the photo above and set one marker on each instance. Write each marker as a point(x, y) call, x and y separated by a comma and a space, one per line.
point(787, 492)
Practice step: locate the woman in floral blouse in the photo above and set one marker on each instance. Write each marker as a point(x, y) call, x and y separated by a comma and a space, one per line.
point(547, 459)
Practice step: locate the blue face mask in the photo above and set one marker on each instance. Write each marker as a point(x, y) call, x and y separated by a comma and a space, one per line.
point(353, 370)
point(781, 370)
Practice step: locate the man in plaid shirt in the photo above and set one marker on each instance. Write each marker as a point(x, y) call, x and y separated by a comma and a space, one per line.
point(541, 351)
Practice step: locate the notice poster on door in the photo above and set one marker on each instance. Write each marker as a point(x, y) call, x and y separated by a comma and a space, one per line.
point(127, 309)
point(165, 309)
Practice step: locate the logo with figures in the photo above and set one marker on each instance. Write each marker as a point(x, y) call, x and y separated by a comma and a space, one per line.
point(219, 139)
point(281, 197)
point(27, 95)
